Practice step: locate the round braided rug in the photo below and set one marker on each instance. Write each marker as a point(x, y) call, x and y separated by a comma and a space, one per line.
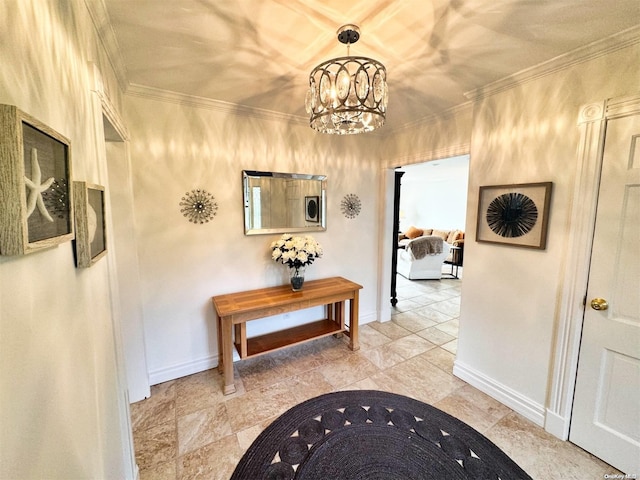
point(366, 434)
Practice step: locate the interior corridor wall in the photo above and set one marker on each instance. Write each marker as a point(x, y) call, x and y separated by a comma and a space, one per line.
point(178, 148)
point(62, 400)
point(509, 308)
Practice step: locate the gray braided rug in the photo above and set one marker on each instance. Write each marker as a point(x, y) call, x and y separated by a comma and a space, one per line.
point(366, 434)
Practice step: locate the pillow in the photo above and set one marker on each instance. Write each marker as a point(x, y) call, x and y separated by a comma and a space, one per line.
point(454, 235)
point(444, 234)
point(427, 231)
point(413, 232)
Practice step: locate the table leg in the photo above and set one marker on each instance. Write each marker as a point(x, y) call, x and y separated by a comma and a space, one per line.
point(353, 322)
point(227, 356)
point(219, 329)
point(340, 313)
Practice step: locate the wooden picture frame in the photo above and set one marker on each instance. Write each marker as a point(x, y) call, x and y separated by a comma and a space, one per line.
point(312, 208)
point(516, 215)
point(91, 235)
point(36, 201)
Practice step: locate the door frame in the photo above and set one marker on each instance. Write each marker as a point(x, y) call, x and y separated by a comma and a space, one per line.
point(592, 124)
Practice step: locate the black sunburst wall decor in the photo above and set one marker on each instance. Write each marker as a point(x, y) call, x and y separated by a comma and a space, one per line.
point(198, 206)
point(350, 205)
point(512, 215)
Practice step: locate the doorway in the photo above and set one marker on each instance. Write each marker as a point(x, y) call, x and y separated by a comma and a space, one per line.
point(122, 240)
point(430, 194)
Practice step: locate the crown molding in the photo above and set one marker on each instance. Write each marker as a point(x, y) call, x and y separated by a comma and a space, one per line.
point(434, 117)
point(430, 155)
point(591, 51)
point(142, 91)
point(102, 23)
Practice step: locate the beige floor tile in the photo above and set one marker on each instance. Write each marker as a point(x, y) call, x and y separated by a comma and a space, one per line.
point(451, 327)
point(426, 381)
point(434, 297)
point(435, 336)
point(263, 371)
point(384, 356)
point(157, 409)
point(308, 385)
point(248, 435)
point(199, 428)
point(451, 346)
point(431, 314)
point(390, 329)
point(449, 307)
point(199, 391)
point(162, 471)
point(473, 407)
point(215, 461)
point(260, 404)
point(542, 455)
point(156, 445)
point(370, 337)
point(410, 346)
point(386, 383)
point(412, 321)
point(347, 370)
point(366, 384)
point(440, 358)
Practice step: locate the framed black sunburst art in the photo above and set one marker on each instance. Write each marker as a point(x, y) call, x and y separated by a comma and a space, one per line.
point(514, 214)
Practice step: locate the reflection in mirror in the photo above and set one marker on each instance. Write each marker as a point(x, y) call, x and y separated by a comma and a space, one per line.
point(283, 202)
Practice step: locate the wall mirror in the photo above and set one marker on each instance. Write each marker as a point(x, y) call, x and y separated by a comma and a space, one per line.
point(283, 202)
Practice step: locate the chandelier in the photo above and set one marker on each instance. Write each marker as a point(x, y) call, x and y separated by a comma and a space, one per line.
point(347, 95)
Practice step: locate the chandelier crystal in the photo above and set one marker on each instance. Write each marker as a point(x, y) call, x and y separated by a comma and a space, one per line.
point(347, 95)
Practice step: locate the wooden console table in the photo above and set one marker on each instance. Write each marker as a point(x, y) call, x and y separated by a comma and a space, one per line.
point(236, 309)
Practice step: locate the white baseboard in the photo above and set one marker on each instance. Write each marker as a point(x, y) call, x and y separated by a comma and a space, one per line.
point(369, 317)
point(556, 425)
point(509, 397)
point(183, 369)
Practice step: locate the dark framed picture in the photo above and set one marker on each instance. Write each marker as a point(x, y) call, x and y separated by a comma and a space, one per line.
point(91, 236)
point(37, 207)
point(312, 208)
point(515, 215)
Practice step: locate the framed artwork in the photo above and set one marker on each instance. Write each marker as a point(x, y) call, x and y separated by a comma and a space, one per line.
point(514, 214)
point(312, 208)
point(36, 205)
point(91, 236)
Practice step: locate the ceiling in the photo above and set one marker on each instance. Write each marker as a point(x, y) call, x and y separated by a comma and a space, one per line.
point(258, 53)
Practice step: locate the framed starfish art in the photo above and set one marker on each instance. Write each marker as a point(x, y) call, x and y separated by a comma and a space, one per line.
point(36, 209)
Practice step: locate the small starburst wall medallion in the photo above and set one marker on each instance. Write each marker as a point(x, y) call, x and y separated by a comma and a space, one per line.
point(198, 206)
point(350, 206)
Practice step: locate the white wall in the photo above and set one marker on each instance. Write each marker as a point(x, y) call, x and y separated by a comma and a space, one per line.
point(63, 406)
point(510, 310)
point(434, 194)
point(176, 148)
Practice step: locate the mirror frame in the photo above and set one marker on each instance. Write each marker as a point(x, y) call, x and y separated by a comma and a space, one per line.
point(318, 226)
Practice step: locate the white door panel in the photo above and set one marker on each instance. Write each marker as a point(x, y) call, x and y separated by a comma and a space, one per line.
point(606, 411)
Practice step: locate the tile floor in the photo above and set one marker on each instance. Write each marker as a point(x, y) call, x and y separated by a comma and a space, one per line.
point(188, 430)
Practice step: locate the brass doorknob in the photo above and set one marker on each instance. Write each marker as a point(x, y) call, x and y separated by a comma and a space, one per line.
point(599, 304)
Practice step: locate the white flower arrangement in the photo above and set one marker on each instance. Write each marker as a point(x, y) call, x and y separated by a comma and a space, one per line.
point(295, 252)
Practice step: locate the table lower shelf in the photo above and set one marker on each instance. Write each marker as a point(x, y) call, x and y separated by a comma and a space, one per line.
point(291, 336)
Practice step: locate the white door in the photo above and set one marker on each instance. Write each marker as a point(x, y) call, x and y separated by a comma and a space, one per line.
point(606, 410)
